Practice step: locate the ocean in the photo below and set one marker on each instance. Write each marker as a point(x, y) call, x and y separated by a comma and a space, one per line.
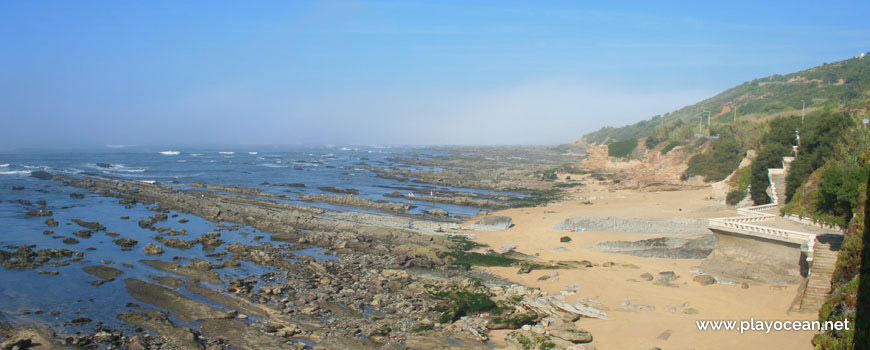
point(28, 296)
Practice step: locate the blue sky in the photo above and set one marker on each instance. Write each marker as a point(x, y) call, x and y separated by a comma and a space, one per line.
point(387, 72)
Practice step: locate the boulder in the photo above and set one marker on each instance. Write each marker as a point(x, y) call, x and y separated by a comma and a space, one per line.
point(126, 243)
point(492, 223)
point(42, 175)
point(437, 212)
point(39, 212)
point(152, 249)
point(571, 333)
point(704, 279)
point(667, 277)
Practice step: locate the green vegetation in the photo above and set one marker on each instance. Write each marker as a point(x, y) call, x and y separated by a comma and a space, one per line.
point(837, 193)
point(468, 259)
point(565, 239)
point(671, 145)
point(622, 148)
point(840, 85)
point(456, 302)
point(532, 341)
point(821, 133)
point(776, 143)
point(422, 327)
point(849, 288)
point(735, 196)
point(831, 193)
point(721, 158)
point(463, 243)
point(516, 320)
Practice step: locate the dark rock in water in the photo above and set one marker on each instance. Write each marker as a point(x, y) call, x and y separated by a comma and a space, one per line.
point(24, 202)
point(16, 344)
point(96, 226)
point(84, 233)
point(80, 321)
point(152, 249)
point(339, 190)
point(17, 188)
point(39, 212)
point(42, 175)
point(112, 234)
point(48, 232)
point(42, 202)
point(106, 273)
point(70, 240)
point(437, 212)
point(51, 222)
point(126, 243)
point(77, 195)
point(105, 165)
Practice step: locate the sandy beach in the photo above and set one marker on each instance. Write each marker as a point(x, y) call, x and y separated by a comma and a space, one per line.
point(644, 328)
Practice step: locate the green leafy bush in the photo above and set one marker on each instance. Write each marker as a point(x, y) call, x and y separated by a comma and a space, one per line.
point(722, 158)
point(622, 148)
point(735, 196)
point(565, 239)
point(820, 135)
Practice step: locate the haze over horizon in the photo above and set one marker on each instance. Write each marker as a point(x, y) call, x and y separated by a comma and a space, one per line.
point(387, 72)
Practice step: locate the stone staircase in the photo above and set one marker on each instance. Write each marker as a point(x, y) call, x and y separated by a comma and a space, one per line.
point(819, 279)
point(822, 243)
point(777, 182)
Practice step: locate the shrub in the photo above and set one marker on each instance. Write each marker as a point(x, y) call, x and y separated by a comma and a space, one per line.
point(735, 196)
point(671, 145)
point(565, 239)
point(819, 138)
point(622, 148)
point(722, 158)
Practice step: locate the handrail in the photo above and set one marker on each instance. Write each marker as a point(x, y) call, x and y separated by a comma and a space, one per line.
point(777, 232)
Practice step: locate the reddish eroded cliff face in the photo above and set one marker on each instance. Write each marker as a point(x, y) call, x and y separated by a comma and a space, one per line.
point(645, 168)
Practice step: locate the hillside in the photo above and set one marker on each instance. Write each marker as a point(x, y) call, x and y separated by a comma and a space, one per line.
point(839, 85)
point(828, 180)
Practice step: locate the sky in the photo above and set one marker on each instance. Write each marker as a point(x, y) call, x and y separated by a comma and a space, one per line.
point(78, 73)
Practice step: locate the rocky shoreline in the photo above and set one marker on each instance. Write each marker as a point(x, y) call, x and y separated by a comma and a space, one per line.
point(368, 297)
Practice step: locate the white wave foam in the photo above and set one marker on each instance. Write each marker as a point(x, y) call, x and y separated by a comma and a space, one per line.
point(4, 165)
point(15, 172)
point(226, 152)
point(252, 153)
point(147, 181)
point(196, 154)
point(169, 153)
point(270, 165)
